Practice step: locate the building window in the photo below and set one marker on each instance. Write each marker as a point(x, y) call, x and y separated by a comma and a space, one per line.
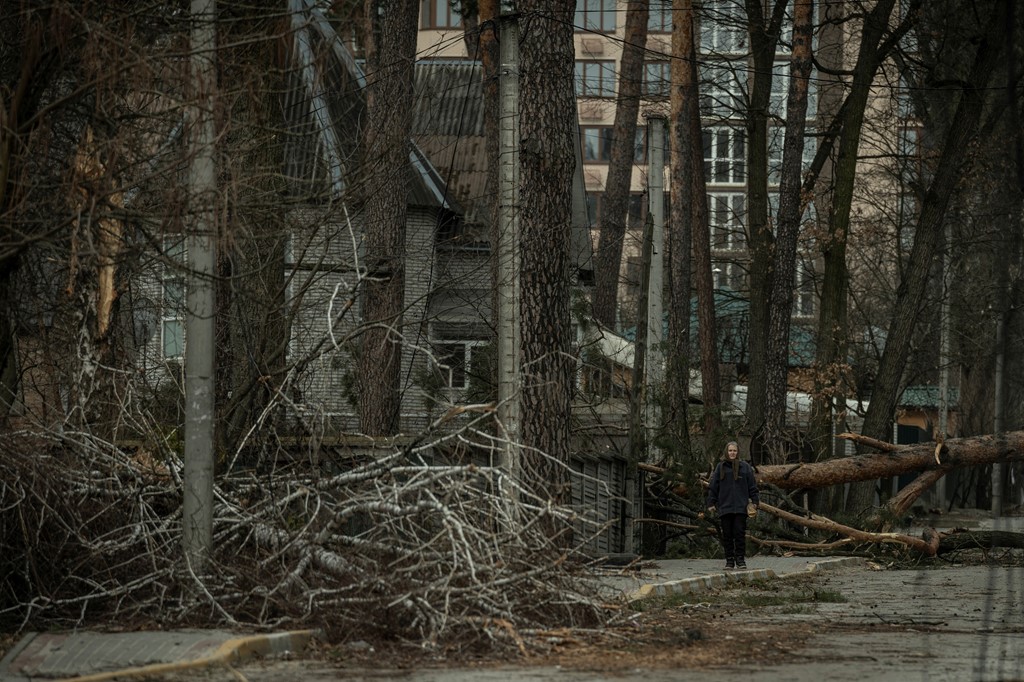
point(440, 14)
point(727, 215)
point(659, 19)
point(776, 145)
point(908, 154)
point(595, 78)
point(172, 308)
point(596, 15)
point(725, 156)
point(458, 362)
point(728, 275)
point(780, 92)
point(721, 95)
point(657, 80)
point(803, 291)
point(597, 143)
point(723, 27)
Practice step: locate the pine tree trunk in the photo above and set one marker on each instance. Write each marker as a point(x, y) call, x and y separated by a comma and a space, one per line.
point(547, 126)
point(390, 56)
point(780, 301)
point(615, 203)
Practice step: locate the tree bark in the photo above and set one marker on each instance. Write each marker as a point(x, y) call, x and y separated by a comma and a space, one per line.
point(547, 124)
point(683, 94)
point(391, 53)
point(615, 203)
point(957, 453)
point(691, 144)
point(764, 38)
point(780, 300)
point(927, 545)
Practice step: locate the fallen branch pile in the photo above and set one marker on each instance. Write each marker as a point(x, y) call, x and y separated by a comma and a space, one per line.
point(392, 547)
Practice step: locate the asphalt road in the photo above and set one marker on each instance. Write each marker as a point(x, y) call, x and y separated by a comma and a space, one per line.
point(950, 623)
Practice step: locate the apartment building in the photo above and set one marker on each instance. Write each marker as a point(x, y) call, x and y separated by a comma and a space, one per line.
point(725, 75)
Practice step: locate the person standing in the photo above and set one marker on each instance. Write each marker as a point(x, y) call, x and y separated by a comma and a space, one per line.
point(731, 488)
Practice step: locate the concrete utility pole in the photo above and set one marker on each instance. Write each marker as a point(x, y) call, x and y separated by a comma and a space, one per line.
point(655, 368)
point(508, 314)
point(197, 515)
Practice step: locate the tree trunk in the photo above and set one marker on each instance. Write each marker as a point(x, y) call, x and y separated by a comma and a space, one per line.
point(391, 52)
point(888, 381)
point(780, 300)
point(830, 361)
point(683, 94)
point(955, 453)
point(547, 125)
point(760, 240)
point(691, 144)
point(615, 203)
point(254, 331)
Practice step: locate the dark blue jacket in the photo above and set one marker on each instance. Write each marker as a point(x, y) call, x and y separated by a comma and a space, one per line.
point(731, 496)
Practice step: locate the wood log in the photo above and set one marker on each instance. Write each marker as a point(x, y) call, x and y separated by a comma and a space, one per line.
point(927, 544)
point(959, 539)
point(958, 452)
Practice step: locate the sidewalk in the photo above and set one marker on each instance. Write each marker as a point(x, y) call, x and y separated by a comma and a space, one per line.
point(683, 576)
point(101, 656)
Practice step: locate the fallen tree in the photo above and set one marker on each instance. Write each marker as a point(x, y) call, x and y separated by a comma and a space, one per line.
point(895, 461)
point(930, 460)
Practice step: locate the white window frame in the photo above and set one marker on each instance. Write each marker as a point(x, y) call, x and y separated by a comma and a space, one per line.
point(721, 93)
point(780, 92)
point(725, 155)
point(447, 371)
point(803, 291)
point(723, 27)
point(776, 144)
point(728, 275)
point(172, 306)
point(727, 218)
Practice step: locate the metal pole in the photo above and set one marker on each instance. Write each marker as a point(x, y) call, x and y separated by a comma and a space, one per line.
point(508, 332)
point(655, 369)
point(197, 513)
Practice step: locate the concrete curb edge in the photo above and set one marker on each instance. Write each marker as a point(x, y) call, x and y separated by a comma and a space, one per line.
point(700, 583)
point(231, 651)
point(712, 580)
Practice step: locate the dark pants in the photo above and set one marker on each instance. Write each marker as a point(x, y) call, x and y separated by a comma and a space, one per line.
point(734, 535)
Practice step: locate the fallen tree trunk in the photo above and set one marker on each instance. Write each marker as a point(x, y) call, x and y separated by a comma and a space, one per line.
point(927, 544)
point(979, 539)
point(954, 453)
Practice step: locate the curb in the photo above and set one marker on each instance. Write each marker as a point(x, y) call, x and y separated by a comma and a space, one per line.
point(699, 584)
point(712, 580)
point(232, 651)
point(834, 563)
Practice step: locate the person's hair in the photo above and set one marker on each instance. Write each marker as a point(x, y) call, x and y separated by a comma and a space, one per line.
point(725, 458)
